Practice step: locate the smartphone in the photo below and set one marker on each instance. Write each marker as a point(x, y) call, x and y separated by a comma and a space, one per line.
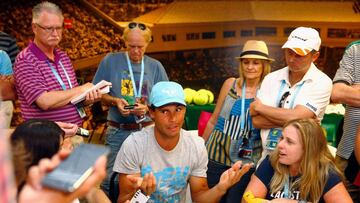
point(82, 132)
point(139, 197)
point(130, 106)
point(74, 170)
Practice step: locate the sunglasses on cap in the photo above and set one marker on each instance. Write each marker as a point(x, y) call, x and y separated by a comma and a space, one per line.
point(141, 26)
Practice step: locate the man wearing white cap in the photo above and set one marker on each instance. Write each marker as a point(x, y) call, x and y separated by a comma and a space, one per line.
point(300, 90)
point(167, 157)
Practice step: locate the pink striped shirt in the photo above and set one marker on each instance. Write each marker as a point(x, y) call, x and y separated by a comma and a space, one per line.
point(33, 77)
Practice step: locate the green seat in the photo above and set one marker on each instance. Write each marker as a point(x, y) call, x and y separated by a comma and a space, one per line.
point(193, 113)
point(330, 133)
point(332, 125)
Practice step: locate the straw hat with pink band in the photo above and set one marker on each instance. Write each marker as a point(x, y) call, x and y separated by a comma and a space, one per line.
point(303, 40)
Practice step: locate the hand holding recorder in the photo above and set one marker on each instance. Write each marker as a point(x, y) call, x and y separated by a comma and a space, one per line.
point(75, 169)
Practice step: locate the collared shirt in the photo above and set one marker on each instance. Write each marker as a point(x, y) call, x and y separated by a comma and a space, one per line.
point(8, 44)
point(34, 77)
point(349, 74)
point(314, 94)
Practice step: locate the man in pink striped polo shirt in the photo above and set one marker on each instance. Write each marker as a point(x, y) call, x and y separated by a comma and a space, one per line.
point(44, 76)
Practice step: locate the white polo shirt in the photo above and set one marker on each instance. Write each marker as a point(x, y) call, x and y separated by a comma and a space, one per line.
point(313, 92)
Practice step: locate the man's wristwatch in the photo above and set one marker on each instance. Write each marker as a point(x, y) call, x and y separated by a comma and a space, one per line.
point(302, 201)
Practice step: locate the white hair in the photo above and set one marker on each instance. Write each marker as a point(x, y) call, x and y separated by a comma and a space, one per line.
point(48, 7)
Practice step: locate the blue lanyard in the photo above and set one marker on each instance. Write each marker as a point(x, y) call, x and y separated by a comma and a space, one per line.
point(242, 125)
point(137, 94)
point(286, 189)
point(298, 87)
point(56, 74)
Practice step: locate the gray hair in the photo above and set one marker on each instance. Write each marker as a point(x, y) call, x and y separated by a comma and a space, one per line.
point(48, 7)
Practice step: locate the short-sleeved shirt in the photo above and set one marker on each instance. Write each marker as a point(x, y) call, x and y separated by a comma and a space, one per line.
point(114, 68)
point(265, 172)
point(313, 92)
point(349, 74)
point(33, 77)
point(140, 153)
point(5, 64)
point(8, 44)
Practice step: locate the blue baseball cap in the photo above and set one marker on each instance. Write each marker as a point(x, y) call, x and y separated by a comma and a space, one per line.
point(166, 92)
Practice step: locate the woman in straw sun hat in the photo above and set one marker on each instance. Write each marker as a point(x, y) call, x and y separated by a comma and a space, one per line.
point(229, 133)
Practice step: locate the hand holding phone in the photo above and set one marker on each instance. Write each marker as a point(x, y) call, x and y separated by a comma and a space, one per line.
point(74, 170)
point(130, 106)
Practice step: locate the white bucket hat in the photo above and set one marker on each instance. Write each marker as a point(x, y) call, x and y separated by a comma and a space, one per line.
point(303, 40)
point(256, 50)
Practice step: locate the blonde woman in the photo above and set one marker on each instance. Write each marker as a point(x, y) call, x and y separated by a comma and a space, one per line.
point(301, 168)
point(229, 133)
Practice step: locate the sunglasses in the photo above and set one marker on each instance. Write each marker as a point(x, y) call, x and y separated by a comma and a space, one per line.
point(133, 25)
point(283, 99)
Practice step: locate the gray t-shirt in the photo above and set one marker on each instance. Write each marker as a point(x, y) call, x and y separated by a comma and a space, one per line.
point(114, 68)
point(140, 153)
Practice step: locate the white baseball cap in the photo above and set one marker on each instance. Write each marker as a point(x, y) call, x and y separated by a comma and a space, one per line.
point(303, 40)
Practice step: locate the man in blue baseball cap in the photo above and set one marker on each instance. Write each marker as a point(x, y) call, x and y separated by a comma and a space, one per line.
point(162, 159)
